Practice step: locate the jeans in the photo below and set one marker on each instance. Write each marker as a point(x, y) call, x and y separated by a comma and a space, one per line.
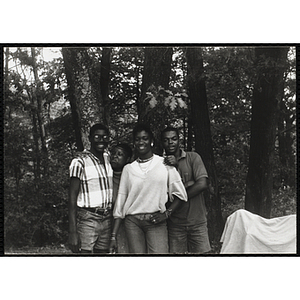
point(122, 239)
point(145, 237)
point(94, 230)
point(188, 239)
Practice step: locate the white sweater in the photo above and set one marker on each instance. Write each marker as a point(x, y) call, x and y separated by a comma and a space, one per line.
point(141, 192)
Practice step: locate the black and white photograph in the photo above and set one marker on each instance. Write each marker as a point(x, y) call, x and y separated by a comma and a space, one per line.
point(149, 150)
point(169, 150)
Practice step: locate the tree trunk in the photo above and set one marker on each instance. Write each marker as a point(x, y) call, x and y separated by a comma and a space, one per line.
point(69, 56)
point(6, 83)
point(93, 70)
point(37, 99)
point(157, 71)
point(189, 146)
point(99, 79)
point(36, 147)
point(270, 63)
point(36, 159)
point(184, 129)
point(104, 83)
point(137, 78)
point(203, 139)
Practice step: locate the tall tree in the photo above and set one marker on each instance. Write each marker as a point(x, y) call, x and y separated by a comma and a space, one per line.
point(270, 64)
point(99, 79)
point(104, 82)
point(203, 139)
point(25, 62)
point(6, 77)
point(70, 63)
point(156, 73)
point(38, 109)
point(157, 70)
point(92, 66)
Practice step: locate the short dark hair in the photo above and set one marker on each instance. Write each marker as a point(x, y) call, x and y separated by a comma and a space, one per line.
point(126, 148)
point(167, 129)
point(98, 126)
point(142, 127)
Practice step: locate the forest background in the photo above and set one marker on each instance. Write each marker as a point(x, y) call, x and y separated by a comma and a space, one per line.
point(235, 106)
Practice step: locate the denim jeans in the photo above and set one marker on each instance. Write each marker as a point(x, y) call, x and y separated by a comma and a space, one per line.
point(145, 237)
point(122, 239)
point(188, 239)
point(94, 230)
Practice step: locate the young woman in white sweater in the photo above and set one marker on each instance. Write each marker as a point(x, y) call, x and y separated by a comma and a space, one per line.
point(145, 187)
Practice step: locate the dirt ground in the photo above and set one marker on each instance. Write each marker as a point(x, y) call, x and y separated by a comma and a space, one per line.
point(54, 250)
point(48, 250)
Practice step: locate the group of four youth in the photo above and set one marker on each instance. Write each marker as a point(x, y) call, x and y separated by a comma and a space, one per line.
point(157, 202)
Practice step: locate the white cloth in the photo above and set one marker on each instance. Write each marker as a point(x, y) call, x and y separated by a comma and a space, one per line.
point(248, 233)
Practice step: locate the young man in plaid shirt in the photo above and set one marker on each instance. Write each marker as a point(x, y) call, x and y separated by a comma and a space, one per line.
point(90, 196)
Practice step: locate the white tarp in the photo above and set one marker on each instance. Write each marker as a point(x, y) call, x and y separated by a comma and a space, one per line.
point(247, 233)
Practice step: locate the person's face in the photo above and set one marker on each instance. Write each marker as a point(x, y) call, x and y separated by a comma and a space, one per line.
point(119, 158)
point(142, 143)
point(170, 142)
point(99, 140)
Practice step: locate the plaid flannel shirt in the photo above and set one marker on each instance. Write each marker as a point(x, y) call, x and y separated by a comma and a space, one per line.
point(96, 180)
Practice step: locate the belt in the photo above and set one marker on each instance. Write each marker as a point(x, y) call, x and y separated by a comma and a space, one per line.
point(98, 210)
point(143, 216)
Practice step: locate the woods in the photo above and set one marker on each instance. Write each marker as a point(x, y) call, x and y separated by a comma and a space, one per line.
point(235, 106)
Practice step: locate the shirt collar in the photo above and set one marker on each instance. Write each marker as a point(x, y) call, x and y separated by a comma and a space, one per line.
point(106, 153)
point(117, 174)
point(182, 154)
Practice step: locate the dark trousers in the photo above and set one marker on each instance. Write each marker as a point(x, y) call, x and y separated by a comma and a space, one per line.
point(188, 239)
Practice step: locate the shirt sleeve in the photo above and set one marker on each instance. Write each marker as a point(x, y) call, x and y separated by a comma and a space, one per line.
point(122, 195)
point(199, 170)
point(76, 168)
point(175, 185)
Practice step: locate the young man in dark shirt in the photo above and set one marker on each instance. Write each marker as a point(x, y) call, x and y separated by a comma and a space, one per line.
point(187, 226)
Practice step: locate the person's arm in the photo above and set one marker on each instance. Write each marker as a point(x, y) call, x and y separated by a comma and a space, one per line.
point(113, 242)
point(200, 175)
point(199, 186)
point(74, 242)
point(118, 208)
point(159, 217)
point(177, 194)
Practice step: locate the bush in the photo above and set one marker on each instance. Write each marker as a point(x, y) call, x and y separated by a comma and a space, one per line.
point(36, 216)
point(284, 202)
